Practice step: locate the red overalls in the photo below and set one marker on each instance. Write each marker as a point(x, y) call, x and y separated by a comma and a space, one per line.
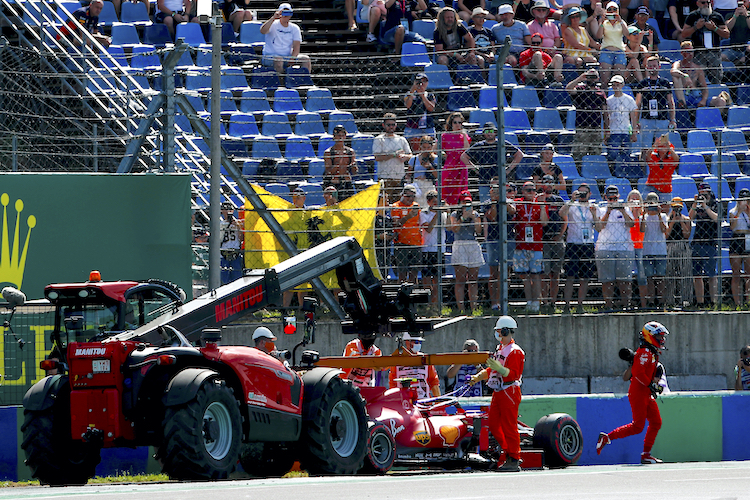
point(503, 417)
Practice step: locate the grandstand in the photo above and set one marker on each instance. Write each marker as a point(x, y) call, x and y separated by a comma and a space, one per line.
point(110, 110)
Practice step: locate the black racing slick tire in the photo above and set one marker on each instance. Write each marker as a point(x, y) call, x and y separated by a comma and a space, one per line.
point(381, 449)
point(334, 433)
point(559, 435)
point(52, 455)
point(202, 438)
point(267, 459)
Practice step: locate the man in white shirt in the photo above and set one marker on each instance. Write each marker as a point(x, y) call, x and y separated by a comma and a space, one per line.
point(619, 133)
point(283, 41)
point(614, 247)
point(391, 151)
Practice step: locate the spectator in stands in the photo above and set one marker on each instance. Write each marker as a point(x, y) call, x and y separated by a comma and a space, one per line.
point(484, 39)
point(678, 11)
point(619, 133)
point(579, 46)
point(614, 248)
point(296, 228)
point(580, 264)
point(721, 101)
point(635, 202)
point(383, 235)
point(739, 250)
point(530, 219)
point(391, 151)
point(611, 32)
point(547, 166)
point(690, 86)
point(455, 175)
point(517, 30)
point(590, 103)
point(88, 17)
point(237, 12)
point(554, 246)
point(739, 35)
point(704, 212)
point(340, 164)
point(374, 11)
point(662, 163)
point(492, 242)
point(432, 222)
point(173, 12)
point(543, 24)
point(422, 169)
point(650, 37)
point(463, 373)
point(742, 370)
point(465, 9)
point(408, 249)
point(636, 54)
point(231, 245)
point(283, 41)
point(522, 10)
point(653, 225)
point(466, 258)
point(393, 32)
point(706, 28)
point(454, 44)
point(535, 63)
point(420, 104)
point(679, 256)
point(482, 156)
point(653, 96)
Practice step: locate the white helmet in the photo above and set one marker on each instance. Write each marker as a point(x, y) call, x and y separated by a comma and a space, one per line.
point(504, 323)
point(262, 331)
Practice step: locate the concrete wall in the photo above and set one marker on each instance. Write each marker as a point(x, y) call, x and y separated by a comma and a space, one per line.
point(576, 354)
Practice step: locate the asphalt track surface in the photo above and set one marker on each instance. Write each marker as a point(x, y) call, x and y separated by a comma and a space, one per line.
point(705, 481)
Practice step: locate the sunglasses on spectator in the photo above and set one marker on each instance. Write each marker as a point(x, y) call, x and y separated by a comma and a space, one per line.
point(409, 195)
point(529, 190)
point(536, 43)
point(426, 142)
point(458, 121)
point(390, 124)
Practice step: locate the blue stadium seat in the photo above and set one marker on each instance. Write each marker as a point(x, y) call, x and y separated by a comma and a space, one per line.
point(730, 168)
point(344, 118)
point(482, 116)
point(362, 146)
point(117, 53)
point(254, 101)
point(469, 74)
point(206, 117)
point(125, 34)
point(526, 167)
point(203, 58)
point(309, 124)
point(424, 27)
point(676, 139)
point(101, 82)
point(738, 118)
point(460, 99)
point(276, 125)
point(565, 139)
point(568, 166)
point(250, 34)
point(670, 49)
point(516, 120)
point(488, 97)
point(287, 101)
point(70, 7)
point(278, 189)
point(315, 170)
point(741, 183)
point(325, 142)
point(726, 192)
point(243, 125)
point(233, 78)
point(733, 141)
point(534, 142)
point(265, 78)
point(319, 99)
point(233, 147)
point(196, 101)
point(250, 168)
point(297, 77)
point(439, 77)
point(546, 119)
point(266, 147)
point(134, 13)
point(509, 77)
point(622, 184)
point(198, 79)
point(191, 32)
point(414, 54)
point(554, 98)
point(743, 95)
point(692, 165)
point(708, 118)
point(511, 137)
point(227, 103)
point(298, 148)
point(630, 169)
point(655, 24)
point(525, 97)
point(157, 35)
point(288, 170)
point(595, 167)
point(108, 15)
point(145, 57)
point(570, 119)
point(700, 141)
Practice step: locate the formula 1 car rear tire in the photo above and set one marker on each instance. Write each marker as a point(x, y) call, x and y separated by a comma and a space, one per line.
point(334, 433)
point(559, 435)
point(51, 453)
point(381, 449)
point(202, 438)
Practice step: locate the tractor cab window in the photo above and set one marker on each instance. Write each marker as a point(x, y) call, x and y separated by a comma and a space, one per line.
point(84, 321)
point(144, 306)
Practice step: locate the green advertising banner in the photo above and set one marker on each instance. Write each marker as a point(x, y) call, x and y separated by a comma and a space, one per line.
point(56, 228)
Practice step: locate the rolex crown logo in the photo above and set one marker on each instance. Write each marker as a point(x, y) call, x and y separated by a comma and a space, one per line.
point(12, 263)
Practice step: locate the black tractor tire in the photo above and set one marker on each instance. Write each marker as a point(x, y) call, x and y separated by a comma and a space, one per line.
point(381, 450)
point(559, 435)
point(334, 436)
point(51, 453)
point(267, 459)
point(202, 438)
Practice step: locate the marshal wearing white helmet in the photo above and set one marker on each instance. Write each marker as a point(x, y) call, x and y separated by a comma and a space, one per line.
point(647, 373)
point(504, 377)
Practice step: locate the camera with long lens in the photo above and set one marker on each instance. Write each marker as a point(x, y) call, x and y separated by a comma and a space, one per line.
point(746, 361)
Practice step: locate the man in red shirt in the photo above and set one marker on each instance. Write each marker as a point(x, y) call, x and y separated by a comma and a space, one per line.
point(408, 251)
point(530, 218)
point(647, 379)
point(535, 61)
point(504, 377)
point(662, 163)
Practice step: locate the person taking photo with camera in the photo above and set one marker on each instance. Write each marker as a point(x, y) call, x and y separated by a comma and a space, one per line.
point(742, 370)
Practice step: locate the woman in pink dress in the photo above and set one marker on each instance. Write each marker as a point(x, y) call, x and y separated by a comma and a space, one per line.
point(455, 175)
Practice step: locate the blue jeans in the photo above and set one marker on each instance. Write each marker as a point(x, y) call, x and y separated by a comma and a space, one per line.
point(653, 129)
point(389, 36)
point(618, 148)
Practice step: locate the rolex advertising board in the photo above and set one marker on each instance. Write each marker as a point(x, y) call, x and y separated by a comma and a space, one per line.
point(56, 228)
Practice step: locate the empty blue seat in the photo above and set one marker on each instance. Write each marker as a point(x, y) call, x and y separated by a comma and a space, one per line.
point(567, 165)
point(741, 183)
point(460, 99)
point(547, 119)
point(482, 116)
point(278, 189)
point(70, 7)
point(726, 192)
point(196, 102)
point(265, 78)
point(362, 146)
point(206, 117)
point(632, 168)
point(233, 147)
point(670, 49)
point(145, 57)
point(276, 124)
point(191, 32)
point(198, 79)
point(488, 97)
point(204, 59)
point(134, 13)
point(287, 101)
point(509, 77)
point(298, 77)
point(250, 34)
point(516, 120)
point(733, 141)
point(254, 101)
point(439, 77)
point(319, 99)
point(125, 34)
point(233, 79)
point(595, 167)
point(535, 141)
point(738, 117)
point(414, 54)
point(289, 170)
point(424, 27)
point(743, 95)
point(116, 53)
point(266, 147)
point(108, 16)
point(298, 148)
point(344, 118)
point(250, 168)
point(309, 124)
point(565, 141)
point(700, 141)
point(554, 98)
point(692, 165)
point(525, 97)
point(729, 166)
point(243, 125)
point(468, 74)
point(315, 170)
point(325, 142)
point(227, 103)
point(156, 34)
point(708, 118)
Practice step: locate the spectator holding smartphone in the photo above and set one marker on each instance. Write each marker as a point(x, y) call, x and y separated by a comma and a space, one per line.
point(679, 256)
point(742, 370)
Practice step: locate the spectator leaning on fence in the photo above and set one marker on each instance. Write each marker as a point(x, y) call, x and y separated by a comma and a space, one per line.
point(391, 151)
point(530, 219)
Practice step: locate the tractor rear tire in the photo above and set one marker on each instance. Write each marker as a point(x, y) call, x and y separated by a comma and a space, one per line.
point(559, 435)
point(381, 450)
point(334, 437)
point(202, 438)
point(51, 453)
